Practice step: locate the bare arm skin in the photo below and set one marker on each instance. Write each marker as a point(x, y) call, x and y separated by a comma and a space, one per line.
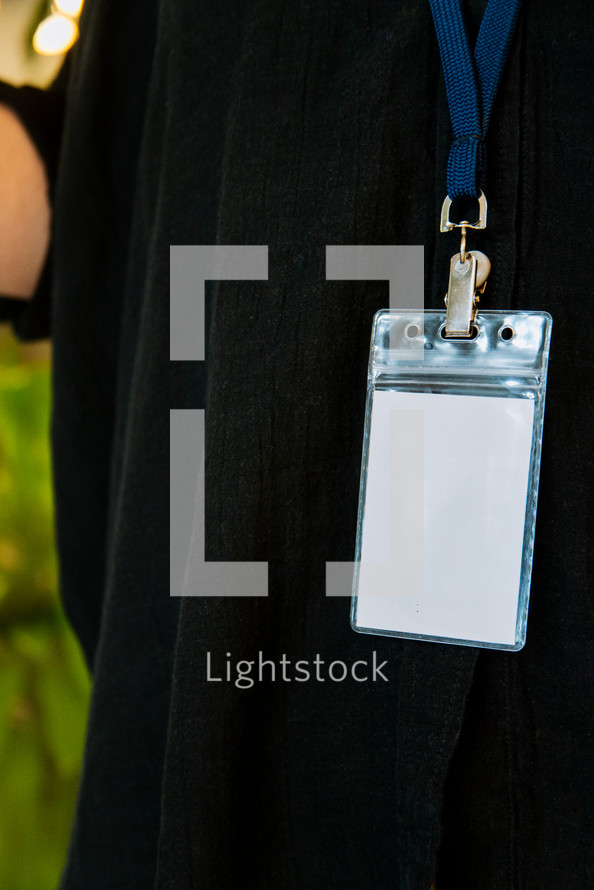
point(24, 210)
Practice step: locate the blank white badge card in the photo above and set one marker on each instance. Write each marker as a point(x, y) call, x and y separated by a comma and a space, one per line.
point(444, 510)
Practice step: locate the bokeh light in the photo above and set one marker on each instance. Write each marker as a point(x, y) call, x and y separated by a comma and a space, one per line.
point(69, 7)
point(55, 35)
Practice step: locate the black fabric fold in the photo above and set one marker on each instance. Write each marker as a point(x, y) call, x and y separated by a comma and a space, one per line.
point(298, 126)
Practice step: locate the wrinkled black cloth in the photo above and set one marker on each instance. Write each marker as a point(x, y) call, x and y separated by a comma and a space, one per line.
point(299, 125)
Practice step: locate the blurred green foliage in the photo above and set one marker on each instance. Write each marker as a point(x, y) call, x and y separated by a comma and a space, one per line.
point(44, 686)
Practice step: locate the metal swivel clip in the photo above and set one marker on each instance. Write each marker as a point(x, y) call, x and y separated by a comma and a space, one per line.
point(469, 271)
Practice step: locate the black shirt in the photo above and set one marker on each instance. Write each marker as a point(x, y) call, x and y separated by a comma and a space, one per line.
point(298, 126)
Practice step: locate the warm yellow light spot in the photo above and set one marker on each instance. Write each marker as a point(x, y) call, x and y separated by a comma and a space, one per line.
point(69, 7)
point(55, 35)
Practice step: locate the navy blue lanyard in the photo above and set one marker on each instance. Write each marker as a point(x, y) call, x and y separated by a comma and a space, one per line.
point(471, 84)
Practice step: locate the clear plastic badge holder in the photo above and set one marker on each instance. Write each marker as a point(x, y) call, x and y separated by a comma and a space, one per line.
point(449, 481)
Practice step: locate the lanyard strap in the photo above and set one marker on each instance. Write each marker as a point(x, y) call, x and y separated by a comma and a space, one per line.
point(471, 84)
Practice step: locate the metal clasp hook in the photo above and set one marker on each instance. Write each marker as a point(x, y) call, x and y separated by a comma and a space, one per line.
point(446, 225)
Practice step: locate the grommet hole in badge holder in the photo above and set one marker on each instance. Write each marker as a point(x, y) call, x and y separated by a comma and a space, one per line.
point(412, 331)
point(506, 333)
point(474, 332)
